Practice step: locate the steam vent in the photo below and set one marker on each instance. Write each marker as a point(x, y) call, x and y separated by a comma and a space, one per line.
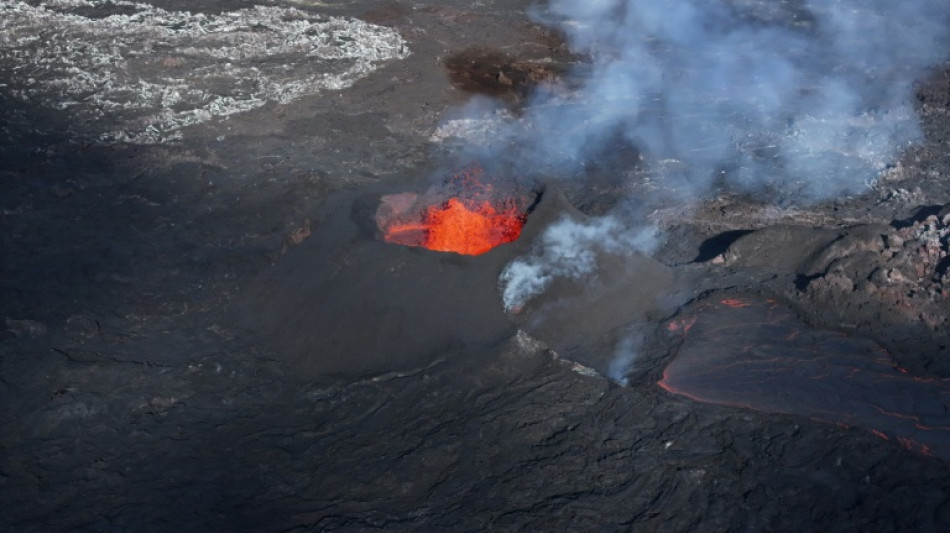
point(450, 266)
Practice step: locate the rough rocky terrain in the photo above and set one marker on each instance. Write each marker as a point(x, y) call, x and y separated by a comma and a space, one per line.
point(204, 332)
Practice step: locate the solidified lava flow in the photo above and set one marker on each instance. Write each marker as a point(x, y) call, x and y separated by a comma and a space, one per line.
point(758, 355)
point(470, 223)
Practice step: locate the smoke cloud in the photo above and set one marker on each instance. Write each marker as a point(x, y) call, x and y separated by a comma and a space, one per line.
point(810, 98)
point(569, 249)
point(625, 355)
point(806, 99)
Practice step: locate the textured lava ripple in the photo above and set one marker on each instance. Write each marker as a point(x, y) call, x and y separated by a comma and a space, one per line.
point(758, 355)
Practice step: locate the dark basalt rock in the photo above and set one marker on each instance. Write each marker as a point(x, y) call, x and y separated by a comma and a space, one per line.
point(208, 334)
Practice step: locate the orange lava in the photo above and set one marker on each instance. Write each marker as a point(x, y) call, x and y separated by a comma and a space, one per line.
point(683, 324)
point(467, 228)
point(735, 303)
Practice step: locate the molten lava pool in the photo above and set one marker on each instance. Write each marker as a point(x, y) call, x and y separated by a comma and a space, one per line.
point(472, 220)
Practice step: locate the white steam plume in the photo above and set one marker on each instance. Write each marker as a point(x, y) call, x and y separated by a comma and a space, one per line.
point(812, 98)
point(625, 355)
point(569, 249)
point(807, 98)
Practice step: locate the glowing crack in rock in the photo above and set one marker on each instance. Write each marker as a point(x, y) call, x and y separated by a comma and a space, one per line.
point(141, 74)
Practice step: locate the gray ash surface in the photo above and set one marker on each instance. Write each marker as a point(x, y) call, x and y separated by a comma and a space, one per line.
point(206, 333)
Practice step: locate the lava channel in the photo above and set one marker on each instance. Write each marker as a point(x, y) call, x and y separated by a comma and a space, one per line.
point(758, 355)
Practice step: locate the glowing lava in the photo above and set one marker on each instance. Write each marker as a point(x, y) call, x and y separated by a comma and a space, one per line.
point(471, 223)
point(455, 227)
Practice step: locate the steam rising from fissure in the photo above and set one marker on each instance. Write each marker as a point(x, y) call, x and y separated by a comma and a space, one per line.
point(808, 99)
point(811, 98)
point(569, 249)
